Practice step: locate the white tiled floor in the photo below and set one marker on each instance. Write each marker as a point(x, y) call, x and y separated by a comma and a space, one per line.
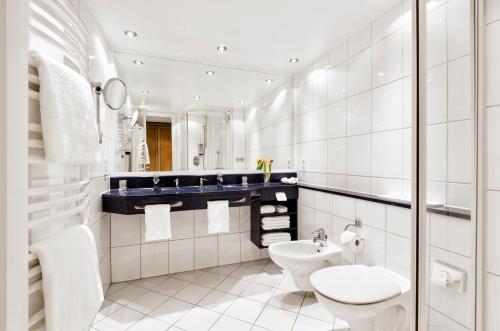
point(254, 295)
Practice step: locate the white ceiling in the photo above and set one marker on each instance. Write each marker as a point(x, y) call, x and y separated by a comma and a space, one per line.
point(261, 35)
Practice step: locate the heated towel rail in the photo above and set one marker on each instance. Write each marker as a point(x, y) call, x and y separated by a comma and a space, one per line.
point(58, 194)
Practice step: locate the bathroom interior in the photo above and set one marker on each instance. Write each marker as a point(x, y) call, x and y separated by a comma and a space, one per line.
point(271, 165)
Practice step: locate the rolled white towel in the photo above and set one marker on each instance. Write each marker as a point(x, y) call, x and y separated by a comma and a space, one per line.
point(267, 209)
point(281, 209)
point(291, 180)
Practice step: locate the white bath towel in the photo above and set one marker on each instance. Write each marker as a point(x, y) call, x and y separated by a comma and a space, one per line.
point(270, 238)
point(267, 209)
point(283, 225)
point(157, 221)
point(271, 220)
point(275, 235)
point(70, 277)
point(67, 113)
point(218, 216)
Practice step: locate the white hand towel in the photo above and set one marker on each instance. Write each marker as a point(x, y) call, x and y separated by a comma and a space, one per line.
point(72, 286)
point(157, 222)
point(68, 114)
point(281, 209)
point(267, 209)
point(218, 216)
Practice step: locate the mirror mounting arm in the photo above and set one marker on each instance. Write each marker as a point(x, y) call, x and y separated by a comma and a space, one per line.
point(96, 86)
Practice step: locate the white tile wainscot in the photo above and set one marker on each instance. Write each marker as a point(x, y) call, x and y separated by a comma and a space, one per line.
point(387, 232)
point(190, 248)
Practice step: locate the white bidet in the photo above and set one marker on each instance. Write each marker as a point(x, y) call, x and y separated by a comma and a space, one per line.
point(303, 257)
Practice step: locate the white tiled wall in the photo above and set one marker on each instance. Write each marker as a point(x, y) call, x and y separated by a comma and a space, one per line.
point(449, 103)
point(191, 247)
point(386, 229)
point(269, 128)
point(492, 290)
point(387, 243)
point(353, 111)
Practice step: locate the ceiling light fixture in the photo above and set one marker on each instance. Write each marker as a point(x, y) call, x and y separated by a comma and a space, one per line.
point(293, 60)
point(269, 81)
point(146, 92)
point(210, 72)
point(139, 63)
point(242, 101)
point(131, 34)
point(196, 97)
point(222, 48)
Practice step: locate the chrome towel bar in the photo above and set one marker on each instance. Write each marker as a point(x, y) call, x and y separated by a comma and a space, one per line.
point(172, 205)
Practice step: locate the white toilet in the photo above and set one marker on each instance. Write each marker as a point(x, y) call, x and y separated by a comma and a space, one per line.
point(368, 298)
point(303, 257)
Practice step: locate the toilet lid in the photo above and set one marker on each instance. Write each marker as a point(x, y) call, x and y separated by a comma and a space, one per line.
point(355, 284)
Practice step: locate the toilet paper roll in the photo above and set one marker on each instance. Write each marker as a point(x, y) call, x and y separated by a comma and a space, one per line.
point(357, 244)
point(347, 236)
point(353, 240)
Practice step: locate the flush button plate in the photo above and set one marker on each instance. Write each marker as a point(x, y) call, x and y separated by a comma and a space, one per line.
point(445, 275)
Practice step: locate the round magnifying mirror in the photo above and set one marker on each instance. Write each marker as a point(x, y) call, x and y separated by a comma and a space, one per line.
point(115, 93)
point(133, 119)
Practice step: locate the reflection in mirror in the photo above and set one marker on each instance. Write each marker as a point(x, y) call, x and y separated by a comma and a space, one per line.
point(188, 115)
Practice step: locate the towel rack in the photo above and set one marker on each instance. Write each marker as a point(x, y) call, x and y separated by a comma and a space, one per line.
point(172, 205)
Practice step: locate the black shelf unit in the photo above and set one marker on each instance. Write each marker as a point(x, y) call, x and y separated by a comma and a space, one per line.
point(269, 198)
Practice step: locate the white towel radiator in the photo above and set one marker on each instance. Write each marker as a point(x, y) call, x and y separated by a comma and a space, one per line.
point(58, 194)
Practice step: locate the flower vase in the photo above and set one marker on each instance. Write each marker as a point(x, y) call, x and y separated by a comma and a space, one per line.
point(267, 178)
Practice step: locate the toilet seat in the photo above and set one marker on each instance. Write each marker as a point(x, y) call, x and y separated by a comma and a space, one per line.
point(355, 284)
point(367, 298)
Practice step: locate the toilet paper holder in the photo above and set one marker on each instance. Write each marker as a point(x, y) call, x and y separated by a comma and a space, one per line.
point(357, 224)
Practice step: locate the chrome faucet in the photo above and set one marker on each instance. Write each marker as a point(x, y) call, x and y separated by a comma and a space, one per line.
point(156, 181)
point(202, 180)
point(320, 237)
point(220, 178)
point(176, 181)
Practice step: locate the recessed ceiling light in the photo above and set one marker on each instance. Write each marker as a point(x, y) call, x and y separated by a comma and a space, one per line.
point(196, 97)
point(139, 63)
point(210, 72)
point(293, 60)
point(145, 92)
point(269, 81)
point(242, 101)
point(131, 34)
point(222, 48)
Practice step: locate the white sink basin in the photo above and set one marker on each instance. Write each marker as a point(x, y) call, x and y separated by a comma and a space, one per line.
point(303, 257)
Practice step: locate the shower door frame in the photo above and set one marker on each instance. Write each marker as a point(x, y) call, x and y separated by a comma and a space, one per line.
point(419, 164)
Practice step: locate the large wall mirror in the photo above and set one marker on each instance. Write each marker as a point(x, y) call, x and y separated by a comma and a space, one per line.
point(187, 115)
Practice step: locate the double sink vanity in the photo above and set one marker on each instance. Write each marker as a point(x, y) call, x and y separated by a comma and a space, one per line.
point(191, 192)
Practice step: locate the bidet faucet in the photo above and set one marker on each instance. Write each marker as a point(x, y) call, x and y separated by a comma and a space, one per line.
point(176, 181)
point(220, 178)
point(320, 237)
point(156, 181)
